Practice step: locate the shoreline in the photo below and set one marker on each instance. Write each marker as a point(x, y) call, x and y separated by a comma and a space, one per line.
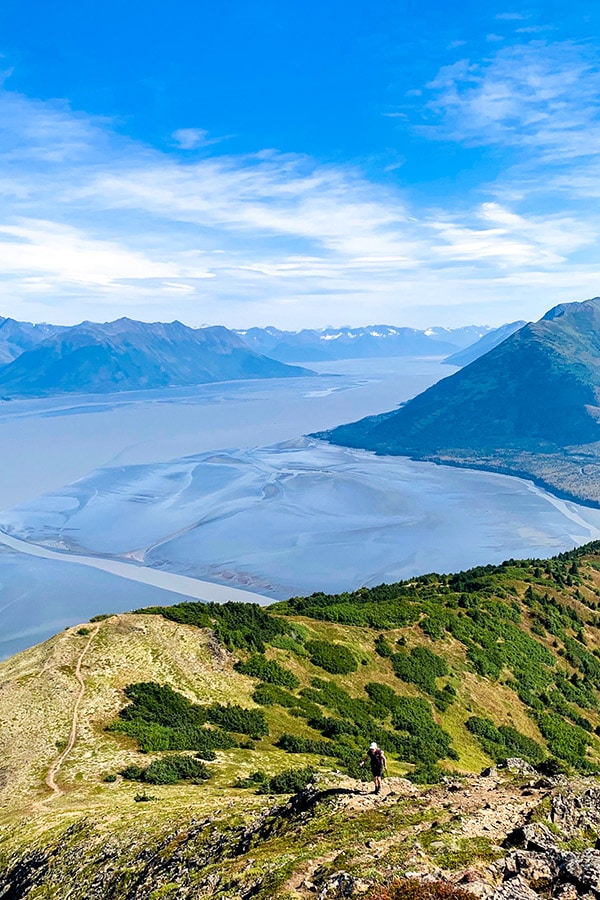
point(501, 470)
point(192, 588)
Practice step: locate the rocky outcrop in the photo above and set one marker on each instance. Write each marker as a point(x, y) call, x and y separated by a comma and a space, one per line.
point(537, 837)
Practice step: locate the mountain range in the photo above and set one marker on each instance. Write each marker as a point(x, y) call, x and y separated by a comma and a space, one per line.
point(43, 359)
point(529, 406)
point(372, 341)
point(485, 343)
point(126, 355)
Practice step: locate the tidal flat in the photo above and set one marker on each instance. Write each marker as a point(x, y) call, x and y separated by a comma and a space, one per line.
point(218, 485)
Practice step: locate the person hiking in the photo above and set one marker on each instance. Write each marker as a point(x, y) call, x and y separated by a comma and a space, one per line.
point(376, 757)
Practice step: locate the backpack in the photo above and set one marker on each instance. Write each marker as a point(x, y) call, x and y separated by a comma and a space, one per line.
point(377, 755)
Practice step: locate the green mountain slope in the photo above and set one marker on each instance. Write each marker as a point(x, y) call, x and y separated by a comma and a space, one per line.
point(529, 406)
point(195, 717)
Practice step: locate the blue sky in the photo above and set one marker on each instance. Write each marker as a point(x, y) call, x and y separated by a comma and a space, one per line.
point(298, 163)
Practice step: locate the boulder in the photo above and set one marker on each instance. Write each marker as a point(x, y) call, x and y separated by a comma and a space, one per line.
point(515, 889)
point(583, 870)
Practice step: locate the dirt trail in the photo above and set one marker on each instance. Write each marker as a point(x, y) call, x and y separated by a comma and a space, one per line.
point(54, 768)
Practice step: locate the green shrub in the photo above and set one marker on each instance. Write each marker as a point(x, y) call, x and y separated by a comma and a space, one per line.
point(169, 770)
point(238, 719)
point(334, 658)
point(382, 695)
point(421, 667)
point(161, 705)
point(505, 741)
point(144, 797)
point(426, 774)
point(415, 716)
point(287, 642)
point(241, 626)
point(159, 718)
point(567, 742)
point(267, 670)
point(383, 647)
point(254, 780)
point(288, 782)
point(291, 743)
point(272, 694)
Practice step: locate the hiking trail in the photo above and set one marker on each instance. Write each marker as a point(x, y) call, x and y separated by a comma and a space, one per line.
point(56, 765)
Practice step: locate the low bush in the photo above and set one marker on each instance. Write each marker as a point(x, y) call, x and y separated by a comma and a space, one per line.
point(426, 774)
point(421, 667)
point(169, 770)
point(334, 658)
point(291, 743)
point(253, 780)
point(567, 742)
point(268, 670)
point(504, 741)
point(415, 716)
point(272, 694)
point(413, 889)
point(238, 719)
point(161, 705)
point(241, 626)
point(288, 782)
point(383, 647)
point(382, 695)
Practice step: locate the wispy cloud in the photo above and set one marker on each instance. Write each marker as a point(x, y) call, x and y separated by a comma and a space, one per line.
point(193, 138)
point(94, 225)
point(536, 95)
point(512, 16)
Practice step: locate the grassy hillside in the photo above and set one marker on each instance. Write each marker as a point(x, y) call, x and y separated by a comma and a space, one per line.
point(201, 707)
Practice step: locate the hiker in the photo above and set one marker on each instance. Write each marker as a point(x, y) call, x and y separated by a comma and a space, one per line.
point(376, 756)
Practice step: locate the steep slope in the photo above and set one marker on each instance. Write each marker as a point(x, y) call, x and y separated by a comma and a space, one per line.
point(127, 355)
point(372, 341)
point(448, 672)
point(529, 406)
point(484, 344)
point(16, 337)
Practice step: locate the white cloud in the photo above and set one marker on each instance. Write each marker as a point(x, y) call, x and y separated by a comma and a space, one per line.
point(191, 138)
point(94, 225)
point(531, 96)
point(512, 16)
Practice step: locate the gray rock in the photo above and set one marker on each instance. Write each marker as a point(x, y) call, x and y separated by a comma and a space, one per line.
point(573, 812)
point(533, 867)
point(515, 889)
point(583, 870)
point(519, 767)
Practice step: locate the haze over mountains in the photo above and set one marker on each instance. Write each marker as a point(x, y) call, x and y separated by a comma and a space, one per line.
point(529, 406)
point(129, 355)
point(485, 343)
point(372, 341)
point(44, 359)
point(16, 337)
